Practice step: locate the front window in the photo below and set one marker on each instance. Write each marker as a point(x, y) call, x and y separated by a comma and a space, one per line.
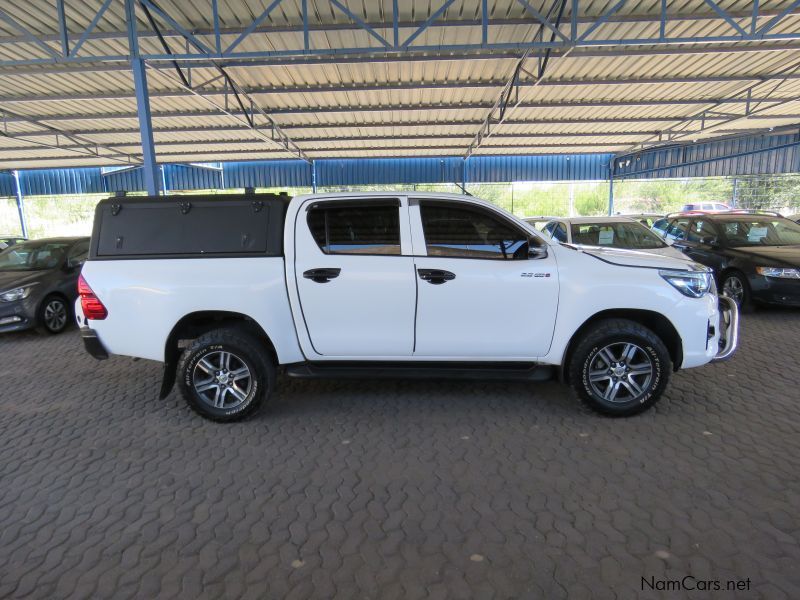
point(761, 231)
point(346, 228)
point(33, 256)
point(631, 236)
point(467, 232)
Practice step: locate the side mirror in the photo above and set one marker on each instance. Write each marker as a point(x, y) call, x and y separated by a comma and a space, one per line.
point(536, 249)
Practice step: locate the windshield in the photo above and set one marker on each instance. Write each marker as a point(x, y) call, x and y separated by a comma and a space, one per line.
point(33, 256)
point(631, 236)
point(761, 231)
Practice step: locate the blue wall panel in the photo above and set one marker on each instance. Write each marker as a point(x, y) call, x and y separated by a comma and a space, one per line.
point(761, 154)
point(366, 171)
point(7, 185)
point(184, 177)
point(481, 169)
point(268, 173)
point(50, 182)
point(753, 155)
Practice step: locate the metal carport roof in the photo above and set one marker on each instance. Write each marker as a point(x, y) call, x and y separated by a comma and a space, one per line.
point(334, 79)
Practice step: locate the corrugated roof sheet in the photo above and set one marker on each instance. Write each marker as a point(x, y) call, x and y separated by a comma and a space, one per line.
point(606, 99)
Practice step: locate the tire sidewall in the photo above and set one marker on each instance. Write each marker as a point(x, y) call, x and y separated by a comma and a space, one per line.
point(661, 364)
point(258, 375)
point(745, 303)
point(43, 323)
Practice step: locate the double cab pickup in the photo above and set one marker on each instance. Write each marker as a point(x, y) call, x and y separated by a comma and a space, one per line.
point(229, 291)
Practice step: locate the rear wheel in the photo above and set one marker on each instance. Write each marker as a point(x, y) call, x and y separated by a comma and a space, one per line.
point(225, 375)
point(53, 315)
point(620, 368)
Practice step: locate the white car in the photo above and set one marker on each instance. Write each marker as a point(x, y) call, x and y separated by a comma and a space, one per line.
point(610, 232)
point(228, 291)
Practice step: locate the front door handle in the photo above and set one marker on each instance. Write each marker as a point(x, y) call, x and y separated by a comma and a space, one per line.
point(322, 275)
point(435, 276)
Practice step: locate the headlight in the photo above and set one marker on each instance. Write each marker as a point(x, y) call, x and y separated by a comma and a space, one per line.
point(778, 272)
point(694, 284)
point(16, 294)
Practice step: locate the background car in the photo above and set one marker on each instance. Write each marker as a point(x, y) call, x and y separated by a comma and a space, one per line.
point(755, 256)
point(538, 222)
point(795, 218)
point(9, 240)
point(609, 232)
point(706, 206)
point(646, 219)
point(38, 283)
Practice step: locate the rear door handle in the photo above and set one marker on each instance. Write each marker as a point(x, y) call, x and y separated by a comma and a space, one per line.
point(322, 275)
point(435, 276)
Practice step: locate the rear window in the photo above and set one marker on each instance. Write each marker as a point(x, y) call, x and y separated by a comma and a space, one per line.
point(632, 236)
point(356, 228)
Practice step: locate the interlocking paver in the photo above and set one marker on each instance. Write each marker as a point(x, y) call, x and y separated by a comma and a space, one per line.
point(397, 489)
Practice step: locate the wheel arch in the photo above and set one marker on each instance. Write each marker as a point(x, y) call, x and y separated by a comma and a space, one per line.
point(195, 324)
point(656, 322)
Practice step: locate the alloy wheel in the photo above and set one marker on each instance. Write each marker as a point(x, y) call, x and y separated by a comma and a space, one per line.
point(55, 315)
point(222, 379)
point(620, 372)
point(734, 289)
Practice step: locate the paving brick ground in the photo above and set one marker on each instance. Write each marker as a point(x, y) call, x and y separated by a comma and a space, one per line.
point(396, 490)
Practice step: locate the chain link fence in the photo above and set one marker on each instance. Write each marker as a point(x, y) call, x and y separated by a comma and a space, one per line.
point(72, 215)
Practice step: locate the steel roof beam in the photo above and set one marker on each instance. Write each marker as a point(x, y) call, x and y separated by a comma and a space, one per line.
point(328, 27)
point(590, 36)
point(690, 126)
point(412, 125)
point(120, 64)
point(313, 110)
point(389, 86)
point(249, 113)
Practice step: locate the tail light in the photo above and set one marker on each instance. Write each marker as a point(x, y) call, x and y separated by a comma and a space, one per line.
point(91, 305)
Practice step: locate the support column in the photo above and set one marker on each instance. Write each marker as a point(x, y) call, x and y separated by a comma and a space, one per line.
point(20, 205)
point(145, 126)
point(151, 175)
point(611, 188)
point(313, 177)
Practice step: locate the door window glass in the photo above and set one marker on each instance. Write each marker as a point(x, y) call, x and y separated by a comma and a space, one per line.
point(560, 232)
point(677, 229)
point(701, 231)
point(467, 232)
point(355, 228)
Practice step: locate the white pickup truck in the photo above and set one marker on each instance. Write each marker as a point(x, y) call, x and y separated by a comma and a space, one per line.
point(228, 291)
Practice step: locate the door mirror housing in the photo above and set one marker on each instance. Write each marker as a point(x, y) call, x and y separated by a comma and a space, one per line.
point(536, 249)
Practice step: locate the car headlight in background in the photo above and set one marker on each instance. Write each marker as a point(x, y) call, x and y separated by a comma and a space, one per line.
point(778, 272)
point(16, 294)
point(694, 284)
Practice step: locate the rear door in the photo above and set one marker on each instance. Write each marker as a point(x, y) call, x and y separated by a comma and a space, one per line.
point(479, 294)
point(357, 291)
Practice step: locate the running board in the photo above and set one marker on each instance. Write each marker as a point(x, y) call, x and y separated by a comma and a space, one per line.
point(427, 370)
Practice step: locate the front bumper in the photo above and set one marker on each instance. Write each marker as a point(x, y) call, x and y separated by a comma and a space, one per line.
point(93, 344)
point(775, 290)
point(16, 316)
point(729, 329)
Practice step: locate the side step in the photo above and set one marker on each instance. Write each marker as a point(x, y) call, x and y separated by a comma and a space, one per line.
point(427, 370)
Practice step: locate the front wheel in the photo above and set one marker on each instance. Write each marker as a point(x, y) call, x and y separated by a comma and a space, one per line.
point(735, 286)
point(620, 368)
point(225, 375)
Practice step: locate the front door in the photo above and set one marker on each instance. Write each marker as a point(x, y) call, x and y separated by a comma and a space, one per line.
point(357, 291)
point(480, 296)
